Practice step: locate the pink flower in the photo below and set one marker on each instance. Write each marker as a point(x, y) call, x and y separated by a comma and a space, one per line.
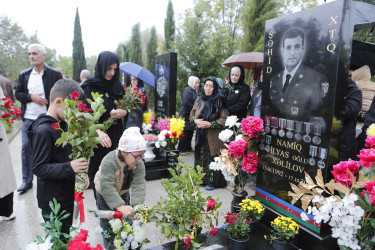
point(237, 148)
point(367, 157)
point(74, 96)
point(164, 124)
point(370, 141)
point(251, 126)
point(370, 186)
point(341, 171)
point(213, 231)
point(211, 204)
point(187, 242)
point(250, 162)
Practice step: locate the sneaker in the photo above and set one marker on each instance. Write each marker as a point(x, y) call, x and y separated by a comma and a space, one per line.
point(11, 217)
point(209, 188)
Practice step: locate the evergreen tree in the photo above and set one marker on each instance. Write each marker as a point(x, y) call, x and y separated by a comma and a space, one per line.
point(152, 50)
point(365, 35)
point(254, 15)
point(169, 28)
point(135, 50)
point(79, 60)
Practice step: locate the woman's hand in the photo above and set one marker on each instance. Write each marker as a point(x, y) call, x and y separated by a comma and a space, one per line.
point(125, 210)
point(203, 124)
point(118, 113)
point(105, 141)
point(87, 183)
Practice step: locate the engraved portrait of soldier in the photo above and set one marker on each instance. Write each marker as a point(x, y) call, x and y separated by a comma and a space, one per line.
point(297, 91)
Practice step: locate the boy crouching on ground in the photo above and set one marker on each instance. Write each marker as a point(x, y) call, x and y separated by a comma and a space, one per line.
point(52, 166)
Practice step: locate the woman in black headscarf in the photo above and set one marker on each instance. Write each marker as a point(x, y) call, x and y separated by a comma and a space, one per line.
point(106, 82)
point(236, 92)
point(209, 114)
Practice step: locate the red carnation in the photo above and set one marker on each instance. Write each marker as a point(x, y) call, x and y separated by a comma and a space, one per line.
point(187, 242)
point(74, 96)
point(174, 133)
point(167, 136)
point(181, 136)
point(210, 204)
point(5, 115)
point(213, 231)
point(55, 126)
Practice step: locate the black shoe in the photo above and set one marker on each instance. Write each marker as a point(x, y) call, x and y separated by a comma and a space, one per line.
point(24, 187)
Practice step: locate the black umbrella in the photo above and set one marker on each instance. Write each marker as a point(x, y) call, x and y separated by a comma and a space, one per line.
point(364, 16)
point(363, 54)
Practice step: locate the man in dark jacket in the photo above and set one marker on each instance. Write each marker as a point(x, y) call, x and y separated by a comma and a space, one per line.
point(352, 106)
point(6, 85)
point(52, 166)
point(33, 92)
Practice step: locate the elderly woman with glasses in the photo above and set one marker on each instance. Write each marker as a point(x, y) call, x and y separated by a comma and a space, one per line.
point(119, 171)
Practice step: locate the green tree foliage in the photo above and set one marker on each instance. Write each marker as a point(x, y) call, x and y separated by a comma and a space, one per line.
point(79, 60)
point(151, 53)
point(169, 28)
point(254, 15)
point(366, 35)
point(135, 50)
point(66, 62)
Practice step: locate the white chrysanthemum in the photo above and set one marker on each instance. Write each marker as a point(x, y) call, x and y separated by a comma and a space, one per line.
point(215, 165)
point(304, 216)
point(238, 124)
point(238, 137)
point(161, 137)
point(164, 132)
point(116, 224)
point(139, 235)
point(157, 144)
point(163, 143)
point(136, 225)
point(231, 121)
point(126, 245)
point(225, 135)
point(130, 237)
point(134, 245)
point(124, 235)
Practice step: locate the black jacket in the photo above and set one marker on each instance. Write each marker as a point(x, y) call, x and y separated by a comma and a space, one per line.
point(352, 106)
point(189, 95)
point(51, 164)
point(50, 76)
point(237, 99)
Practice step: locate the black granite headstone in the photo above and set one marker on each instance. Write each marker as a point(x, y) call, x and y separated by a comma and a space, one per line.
point(166, 84)
point(305, 62)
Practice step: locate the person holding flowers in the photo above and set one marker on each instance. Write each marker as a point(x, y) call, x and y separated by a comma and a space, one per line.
point(137, 119)
point(209, 114)
point(106, 82)
point(119, 171)
point(52, 166)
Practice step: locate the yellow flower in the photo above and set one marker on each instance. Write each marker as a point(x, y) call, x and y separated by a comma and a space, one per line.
point(177, 125)
point(371, 130)
point(147, 118)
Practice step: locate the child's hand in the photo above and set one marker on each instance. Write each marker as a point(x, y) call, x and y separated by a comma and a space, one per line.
point(87, 183)
point(125, 210)
point(79, 165)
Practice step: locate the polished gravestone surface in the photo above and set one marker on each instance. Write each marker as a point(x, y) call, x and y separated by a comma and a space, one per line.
point(156, 168)
point(221, 240)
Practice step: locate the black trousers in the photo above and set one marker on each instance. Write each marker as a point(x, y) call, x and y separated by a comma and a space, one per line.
point(102, 205)
point(185, 143)
point(6, 205)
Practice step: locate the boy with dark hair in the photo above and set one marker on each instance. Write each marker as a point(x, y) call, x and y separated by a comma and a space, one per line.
point(52, 166)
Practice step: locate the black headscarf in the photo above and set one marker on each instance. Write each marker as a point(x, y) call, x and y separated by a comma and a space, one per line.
point(113, 87)
point(241, 80)
point(212, 105)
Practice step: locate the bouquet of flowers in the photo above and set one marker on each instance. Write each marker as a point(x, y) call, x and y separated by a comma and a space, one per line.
point(8, 112)
point(163, 124)
point(168, 139)
point(346, 202)
point(82, 136)
point(237, 225)
point(148, 123)
point(252, 209)
point(132, 100)
point(283, 229)
point(241, 157)
point(150, 140)
point(184, 210)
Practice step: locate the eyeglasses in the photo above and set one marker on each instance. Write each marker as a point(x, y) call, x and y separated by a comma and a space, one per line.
point(137, 158)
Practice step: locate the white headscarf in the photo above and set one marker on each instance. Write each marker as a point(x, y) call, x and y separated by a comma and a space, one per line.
point(192, 80)
point(132, 140)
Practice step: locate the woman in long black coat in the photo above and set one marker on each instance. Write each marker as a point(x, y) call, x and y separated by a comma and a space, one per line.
point(237, 92)
point(106, 82)
point(189, 95)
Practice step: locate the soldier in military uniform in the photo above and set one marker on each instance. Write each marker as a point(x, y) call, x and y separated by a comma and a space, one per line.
point(297, 92)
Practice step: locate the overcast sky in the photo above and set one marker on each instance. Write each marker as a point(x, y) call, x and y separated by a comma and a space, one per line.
point(104, 23)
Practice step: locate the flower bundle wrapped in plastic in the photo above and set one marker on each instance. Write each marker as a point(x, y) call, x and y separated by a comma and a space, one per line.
point(132, 100)
point(148, 124)
point(8, 112)
point(82, 136)
point(169, 139)
point(150, 140)
point(243, 141)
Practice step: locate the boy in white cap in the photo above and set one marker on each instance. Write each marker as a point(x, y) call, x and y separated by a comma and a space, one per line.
point(119, 170)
